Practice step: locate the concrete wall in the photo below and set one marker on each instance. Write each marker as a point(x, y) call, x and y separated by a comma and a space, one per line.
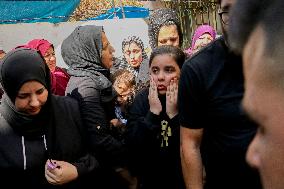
point(13, 35)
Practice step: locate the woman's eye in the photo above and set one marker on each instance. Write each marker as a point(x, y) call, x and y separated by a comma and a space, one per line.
point(127, 52)
point(169, 70)
point(40, 91)
point(155, 70)
point(163, 41)
point(22, 96)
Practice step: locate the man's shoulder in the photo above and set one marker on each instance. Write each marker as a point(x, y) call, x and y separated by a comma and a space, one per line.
point(215, 51)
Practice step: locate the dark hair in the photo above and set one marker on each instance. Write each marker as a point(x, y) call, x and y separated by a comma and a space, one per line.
point(245, 16)
point(266, 16)
point(175, 52)
point(273, 26)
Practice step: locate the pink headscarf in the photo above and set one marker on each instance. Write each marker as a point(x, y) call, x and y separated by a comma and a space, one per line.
point(59, 77)
point(39, 44)
point(199, 32)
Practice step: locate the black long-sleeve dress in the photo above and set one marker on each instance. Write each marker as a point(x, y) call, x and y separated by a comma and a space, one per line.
point(153, 142)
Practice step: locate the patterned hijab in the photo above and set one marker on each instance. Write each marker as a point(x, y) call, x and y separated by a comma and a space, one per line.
point(19, 66)
point(159, 18)
point(82, 52)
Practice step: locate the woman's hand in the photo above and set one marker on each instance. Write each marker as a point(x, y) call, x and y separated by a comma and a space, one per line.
point(171, 98)
point(116, 123)
point(60, 172)
point(154, 101)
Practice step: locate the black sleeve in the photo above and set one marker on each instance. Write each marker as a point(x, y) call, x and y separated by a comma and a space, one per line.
point(190, 97)
point(106, 147)
point(71, 134)
point(142, 125)
point(86, 164)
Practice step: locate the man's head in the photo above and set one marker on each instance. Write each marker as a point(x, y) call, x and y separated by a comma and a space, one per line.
point(223, 11)
point(258, 33)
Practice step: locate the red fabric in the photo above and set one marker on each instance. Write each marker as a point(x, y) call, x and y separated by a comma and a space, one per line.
point(59, 78)
point(39, 44)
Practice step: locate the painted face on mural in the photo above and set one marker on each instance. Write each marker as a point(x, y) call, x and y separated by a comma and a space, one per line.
point(133, 54)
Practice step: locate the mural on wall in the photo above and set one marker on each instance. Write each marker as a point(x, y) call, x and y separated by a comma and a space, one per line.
point(117, 30)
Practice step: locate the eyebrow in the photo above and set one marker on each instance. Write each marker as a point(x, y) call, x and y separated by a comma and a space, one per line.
point(170, 67)
point(27, 93)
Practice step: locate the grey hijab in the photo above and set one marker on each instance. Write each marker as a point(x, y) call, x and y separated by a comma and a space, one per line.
point(82, 52)
point(162, 17)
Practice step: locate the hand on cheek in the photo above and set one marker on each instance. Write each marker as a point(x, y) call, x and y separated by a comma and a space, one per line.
point(171, 98)
point(154, 101)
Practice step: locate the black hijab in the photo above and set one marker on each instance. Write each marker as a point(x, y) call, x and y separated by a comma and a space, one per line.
point(17, 67)
point(82, 52)
point(22, 65)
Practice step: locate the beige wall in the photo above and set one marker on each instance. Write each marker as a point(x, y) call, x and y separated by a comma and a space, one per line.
point(13, 35)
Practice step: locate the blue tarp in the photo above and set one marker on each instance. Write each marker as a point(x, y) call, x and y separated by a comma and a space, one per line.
point(36, 11)
point(129, 12)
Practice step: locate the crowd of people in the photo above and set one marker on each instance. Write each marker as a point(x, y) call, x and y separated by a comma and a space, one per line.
point(209, 116)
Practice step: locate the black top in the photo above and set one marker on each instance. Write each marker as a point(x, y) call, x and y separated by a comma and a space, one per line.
point(211, 89)
point(97, 109)
point(23, 158)
point(154, 154)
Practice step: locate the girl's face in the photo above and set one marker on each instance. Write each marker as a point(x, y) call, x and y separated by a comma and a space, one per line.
point(31, 98)
point(164, 69)
point(133, 54)
point(50, 59)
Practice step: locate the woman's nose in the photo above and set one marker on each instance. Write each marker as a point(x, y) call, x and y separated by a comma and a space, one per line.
point(34, 101)
point(169, 42)
point(52, 58)
point(161, 76)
